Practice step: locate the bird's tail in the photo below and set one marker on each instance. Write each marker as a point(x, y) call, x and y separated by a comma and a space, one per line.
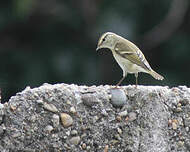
point(156, 75)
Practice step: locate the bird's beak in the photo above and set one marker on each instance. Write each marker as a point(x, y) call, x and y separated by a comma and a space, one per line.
point(97, 48)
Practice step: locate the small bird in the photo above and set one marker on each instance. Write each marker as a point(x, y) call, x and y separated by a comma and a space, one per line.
point(128, 56)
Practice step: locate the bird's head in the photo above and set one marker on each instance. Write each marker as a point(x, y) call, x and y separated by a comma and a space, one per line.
point(107, 40)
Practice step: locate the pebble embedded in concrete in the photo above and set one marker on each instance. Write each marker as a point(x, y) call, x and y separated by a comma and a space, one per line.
point(89, 100)
point(55, 120)
point(74, 132)
point(66, 119)
point(132, 116)
point(118, 97)
point(39, 101)
point(174, 124)
point(83, 146)
point(1, 106)
point(48, 129)
point(119, 131)
point(123, 113)
point(73, 110)
point(16, 134)
point(50, 107)
point(75, 140)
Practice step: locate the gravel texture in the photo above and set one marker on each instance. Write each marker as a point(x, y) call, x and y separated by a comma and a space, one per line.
point(71, 118)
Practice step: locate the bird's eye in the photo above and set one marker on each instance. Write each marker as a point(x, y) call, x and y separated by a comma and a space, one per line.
point(103, 39)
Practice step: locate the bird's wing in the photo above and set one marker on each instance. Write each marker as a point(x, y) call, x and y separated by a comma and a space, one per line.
point(132, 53)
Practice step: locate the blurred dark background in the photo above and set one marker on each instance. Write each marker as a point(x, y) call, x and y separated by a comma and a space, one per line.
point(45, 41)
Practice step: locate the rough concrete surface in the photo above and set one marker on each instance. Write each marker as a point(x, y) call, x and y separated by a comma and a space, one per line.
point(71, 118)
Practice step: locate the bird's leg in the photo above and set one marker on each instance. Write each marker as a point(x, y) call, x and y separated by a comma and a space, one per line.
point(136, 76)
point(120, 82)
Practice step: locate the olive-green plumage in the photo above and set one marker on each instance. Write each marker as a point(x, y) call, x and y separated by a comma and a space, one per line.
point(127, 55)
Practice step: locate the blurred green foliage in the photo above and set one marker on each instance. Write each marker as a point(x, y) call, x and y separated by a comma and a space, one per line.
point(55, 41)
